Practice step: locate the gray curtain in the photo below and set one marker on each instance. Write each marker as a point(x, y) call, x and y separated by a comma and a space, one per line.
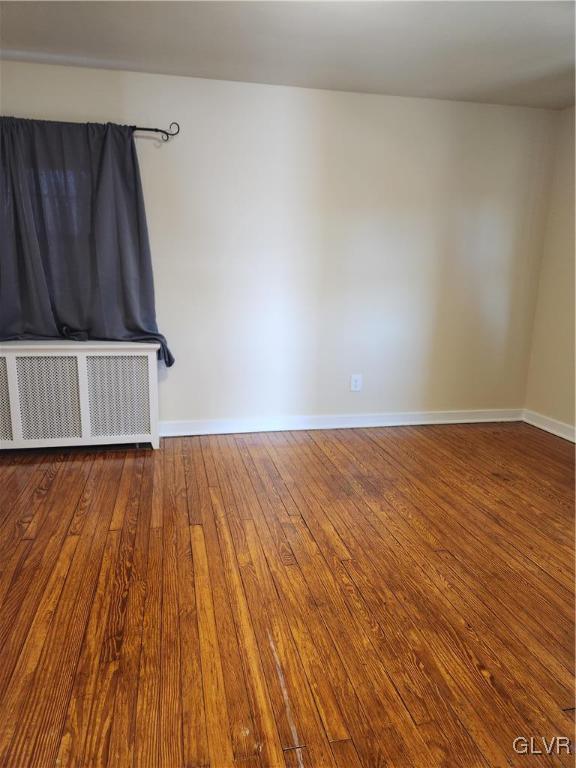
point(74, 252)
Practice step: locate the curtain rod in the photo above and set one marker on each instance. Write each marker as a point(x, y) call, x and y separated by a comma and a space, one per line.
point(172, 131)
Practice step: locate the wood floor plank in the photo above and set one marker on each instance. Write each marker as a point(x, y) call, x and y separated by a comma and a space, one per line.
point(157, 490)
point(99, 725)
point(383, 598)
point(268, 746)
point(124, 487)
point(199, 502)
point(36, 504)
point(147, 728)
point(218, 726)
point(122, 746)
point(345, 754)
point(285, 673)
point(209, 464)
point(171, 718)
point(194, 739)
point(244, 732)
point(298, 757)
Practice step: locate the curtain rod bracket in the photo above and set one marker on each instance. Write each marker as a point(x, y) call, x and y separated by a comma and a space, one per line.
point(173, 130)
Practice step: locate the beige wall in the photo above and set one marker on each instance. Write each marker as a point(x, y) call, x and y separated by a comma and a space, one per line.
point(301, 236)
point(550, 389)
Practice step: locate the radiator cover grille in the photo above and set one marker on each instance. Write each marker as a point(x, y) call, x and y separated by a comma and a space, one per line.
point(49, 397)
point(5, 413)
point(118, 394)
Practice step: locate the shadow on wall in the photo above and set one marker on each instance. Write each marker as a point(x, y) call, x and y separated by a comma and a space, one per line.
point(429, 248)
point(488, 249)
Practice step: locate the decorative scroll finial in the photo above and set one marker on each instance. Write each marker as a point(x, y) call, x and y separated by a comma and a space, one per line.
point(173, 130)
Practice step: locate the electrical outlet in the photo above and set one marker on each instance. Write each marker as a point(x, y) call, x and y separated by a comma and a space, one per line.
point(356, 382)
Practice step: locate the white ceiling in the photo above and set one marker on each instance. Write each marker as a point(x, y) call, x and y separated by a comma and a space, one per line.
point(500, 52)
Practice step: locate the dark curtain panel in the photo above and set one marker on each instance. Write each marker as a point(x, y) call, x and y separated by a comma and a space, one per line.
point(74, 252)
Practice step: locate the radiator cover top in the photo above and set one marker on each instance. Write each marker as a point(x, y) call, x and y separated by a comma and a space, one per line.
point(77, 393)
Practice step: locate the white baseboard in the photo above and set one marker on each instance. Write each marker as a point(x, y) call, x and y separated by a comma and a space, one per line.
point(559, 428)
point(346, 421)
point(357, 420)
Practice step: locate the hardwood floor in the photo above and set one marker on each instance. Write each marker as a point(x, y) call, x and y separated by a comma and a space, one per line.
point(378, 597)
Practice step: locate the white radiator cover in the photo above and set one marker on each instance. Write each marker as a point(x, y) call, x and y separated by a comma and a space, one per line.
point(58, 393)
